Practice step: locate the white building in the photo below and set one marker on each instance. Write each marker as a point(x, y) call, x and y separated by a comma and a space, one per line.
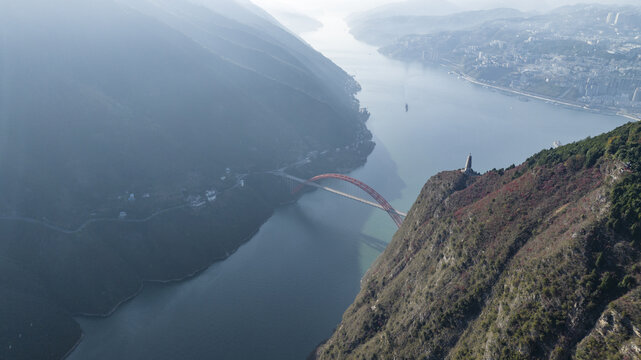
point(196, 201)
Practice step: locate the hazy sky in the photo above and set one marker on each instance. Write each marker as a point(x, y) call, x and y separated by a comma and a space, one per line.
point(318, 7)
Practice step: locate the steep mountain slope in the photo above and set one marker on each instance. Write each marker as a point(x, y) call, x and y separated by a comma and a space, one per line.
point(118, 120)
point(539, 261)
point(102, 109)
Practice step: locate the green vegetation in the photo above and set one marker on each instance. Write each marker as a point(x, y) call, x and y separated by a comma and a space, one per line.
point(623, 144)
point(626, 207)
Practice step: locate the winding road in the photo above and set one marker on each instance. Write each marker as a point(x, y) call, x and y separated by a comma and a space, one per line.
point(472, 80)
point(90, 221)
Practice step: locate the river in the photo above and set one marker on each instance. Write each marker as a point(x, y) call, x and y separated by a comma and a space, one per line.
point(284, 291)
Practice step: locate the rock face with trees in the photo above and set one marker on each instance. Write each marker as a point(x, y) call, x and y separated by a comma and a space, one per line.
point(536, 261)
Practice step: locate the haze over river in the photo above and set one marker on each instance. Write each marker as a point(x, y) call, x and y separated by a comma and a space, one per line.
point(284, 291)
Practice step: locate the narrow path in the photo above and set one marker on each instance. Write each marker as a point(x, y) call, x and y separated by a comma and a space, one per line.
point(90, 221)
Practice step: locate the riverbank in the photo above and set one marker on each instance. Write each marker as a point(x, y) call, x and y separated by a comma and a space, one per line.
point(266, 189)
point(571, 105)
point(109, 261)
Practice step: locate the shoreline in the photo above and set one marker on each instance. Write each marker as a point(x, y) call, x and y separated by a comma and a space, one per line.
point(75, 346)
point(195, 273)
point(575, 106)
point(192, 275)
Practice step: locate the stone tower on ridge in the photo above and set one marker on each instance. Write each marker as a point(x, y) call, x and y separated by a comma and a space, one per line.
point(468, 165)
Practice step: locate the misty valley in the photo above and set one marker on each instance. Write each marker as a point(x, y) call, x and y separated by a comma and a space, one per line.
point(154, 201)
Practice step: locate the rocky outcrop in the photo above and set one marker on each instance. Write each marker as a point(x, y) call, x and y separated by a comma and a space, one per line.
point(617, 333)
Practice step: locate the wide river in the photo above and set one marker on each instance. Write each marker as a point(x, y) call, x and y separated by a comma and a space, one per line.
point(284, 291)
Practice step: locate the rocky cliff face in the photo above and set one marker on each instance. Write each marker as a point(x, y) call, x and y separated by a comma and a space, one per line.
point(538, 261)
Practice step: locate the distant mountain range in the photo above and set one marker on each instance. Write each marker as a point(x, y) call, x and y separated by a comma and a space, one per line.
point(382, 29)
point(166, 110)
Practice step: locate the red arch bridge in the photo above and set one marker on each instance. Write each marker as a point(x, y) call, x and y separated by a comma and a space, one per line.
point(380, 203)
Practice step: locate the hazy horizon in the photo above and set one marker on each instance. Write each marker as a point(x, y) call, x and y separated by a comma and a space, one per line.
point(315, 8)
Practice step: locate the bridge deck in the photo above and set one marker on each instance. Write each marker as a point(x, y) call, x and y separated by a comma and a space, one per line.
point(334, 191)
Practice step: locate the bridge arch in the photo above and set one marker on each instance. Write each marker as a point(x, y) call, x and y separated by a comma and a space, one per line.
point(375, 195)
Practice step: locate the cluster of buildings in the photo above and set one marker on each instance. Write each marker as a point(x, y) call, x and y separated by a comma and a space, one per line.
point(598, 73)
point(589, 55)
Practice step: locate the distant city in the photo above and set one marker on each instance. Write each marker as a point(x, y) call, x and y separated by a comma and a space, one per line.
point(589, 55)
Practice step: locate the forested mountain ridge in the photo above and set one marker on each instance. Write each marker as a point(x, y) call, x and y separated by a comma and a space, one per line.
point(134, 140)
point(537, 261)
